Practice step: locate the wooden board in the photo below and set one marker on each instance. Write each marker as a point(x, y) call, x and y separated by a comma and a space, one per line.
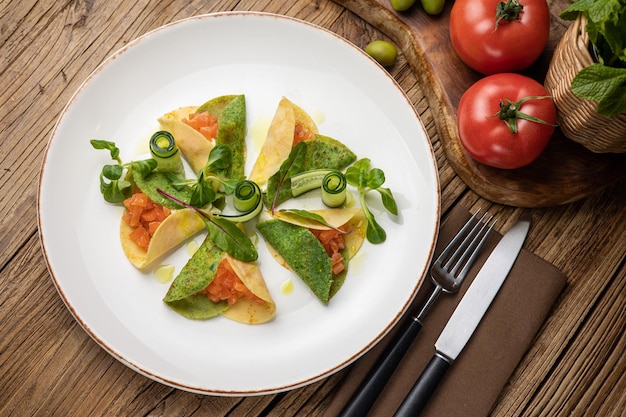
point(565, 172)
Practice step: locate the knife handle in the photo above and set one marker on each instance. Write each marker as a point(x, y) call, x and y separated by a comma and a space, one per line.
point(426, 384)
point(365, 396)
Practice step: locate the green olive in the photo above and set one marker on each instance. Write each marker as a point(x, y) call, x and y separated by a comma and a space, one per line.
point(433, 6)
point(402, 5)
point(383, 52)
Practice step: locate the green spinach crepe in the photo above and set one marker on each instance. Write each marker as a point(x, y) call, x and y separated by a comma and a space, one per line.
point(322, 152)
point(188, 294)
point(299, 243)
point(230, 111)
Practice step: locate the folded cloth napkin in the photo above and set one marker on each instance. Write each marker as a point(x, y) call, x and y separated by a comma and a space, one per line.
point(474, 381)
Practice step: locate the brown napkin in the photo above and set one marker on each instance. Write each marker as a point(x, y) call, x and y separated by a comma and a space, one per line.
point(474, 381)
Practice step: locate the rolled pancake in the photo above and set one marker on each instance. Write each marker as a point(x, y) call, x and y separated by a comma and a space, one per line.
point(294, 245)
point(230, 111)
point(279, 140)
point(179, 226)
point(200, 271)
point(194, 147)
point(246, 310)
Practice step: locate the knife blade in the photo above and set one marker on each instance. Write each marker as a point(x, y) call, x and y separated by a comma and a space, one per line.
point(466, 317)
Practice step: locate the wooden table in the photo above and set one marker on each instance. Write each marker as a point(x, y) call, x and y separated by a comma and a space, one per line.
point(50, 366)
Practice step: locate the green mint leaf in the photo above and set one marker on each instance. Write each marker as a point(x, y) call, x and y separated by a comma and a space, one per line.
point(603, 11)
point(606, 27)
point(614, 34)
point(598, 11)
point(572, 12)
point(598, 82)
point(614, 104)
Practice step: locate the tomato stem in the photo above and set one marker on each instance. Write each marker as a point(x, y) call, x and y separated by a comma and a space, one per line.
point(510, 112)
point(508, 11)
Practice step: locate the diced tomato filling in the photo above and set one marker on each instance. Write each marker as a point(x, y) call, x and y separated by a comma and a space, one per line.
point(144, 216)
point(333, 243)
point(226, 286)
point(301, 134)
point(204, 123)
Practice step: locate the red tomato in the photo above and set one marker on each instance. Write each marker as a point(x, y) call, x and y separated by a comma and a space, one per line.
point(489, 109)
point(511, 46)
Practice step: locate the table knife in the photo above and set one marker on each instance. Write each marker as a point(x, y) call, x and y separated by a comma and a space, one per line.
point(466, 317)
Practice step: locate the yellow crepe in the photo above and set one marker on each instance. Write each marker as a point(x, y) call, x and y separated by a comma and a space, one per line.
point(186, 297)
point(246, 310)
point(179, 226)
point(191, 143)
point(279, 140)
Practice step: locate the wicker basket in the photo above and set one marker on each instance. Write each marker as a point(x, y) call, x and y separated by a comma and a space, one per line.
point(578, 118)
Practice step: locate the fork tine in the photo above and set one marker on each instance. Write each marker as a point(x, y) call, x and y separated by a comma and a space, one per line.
point(475, 248)
point(460, 242)
point(466, 245)
point(456, 239)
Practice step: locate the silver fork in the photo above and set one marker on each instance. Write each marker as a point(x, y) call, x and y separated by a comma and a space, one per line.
point(447, 273)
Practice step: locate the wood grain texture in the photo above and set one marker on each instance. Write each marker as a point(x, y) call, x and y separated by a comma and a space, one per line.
point(49, 366)
point(563, 173)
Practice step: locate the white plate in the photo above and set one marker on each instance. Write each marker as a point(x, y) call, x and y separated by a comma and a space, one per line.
point(265, 57)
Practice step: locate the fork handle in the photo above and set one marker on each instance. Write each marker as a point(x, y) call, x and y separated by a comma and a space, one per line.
point(418, 397)
point(367, 393)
